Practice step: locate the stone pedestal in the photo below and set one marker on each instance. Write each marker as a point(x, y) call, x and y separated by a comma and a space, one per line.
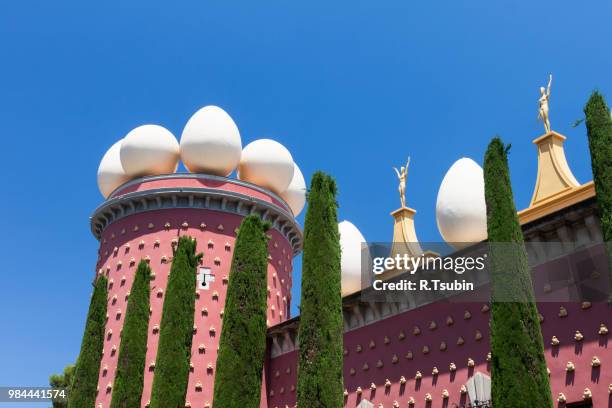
point(554, 175)
point(556, 187)
point(405, 240)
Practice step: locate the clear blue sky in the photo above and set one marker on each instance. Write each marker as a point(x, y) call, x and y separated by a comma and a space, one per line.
point(350, 87)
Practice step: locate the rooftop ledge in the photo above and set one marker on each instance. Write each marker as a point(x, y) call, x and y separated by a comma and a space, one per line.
point(197, 191)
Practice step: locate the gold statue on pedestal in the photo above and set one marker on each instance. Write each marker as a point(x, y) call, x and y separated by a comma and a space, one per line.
point(402, 175)
point(556, 187)
point(543, 113)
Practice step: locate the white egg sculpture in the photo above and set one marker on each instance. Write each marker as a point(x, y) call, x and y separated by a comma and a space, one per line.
point(110, 172)
point(149, 150)
point(461, 212)
point(211, 142)
point(351, 244)
point(295, 194)
point(266, 163)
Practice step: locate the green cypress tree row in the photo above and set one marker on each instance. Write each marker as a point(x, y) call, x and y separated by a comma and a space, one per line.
point(85, 382)
point(129, 380)
point(176, 329)
point(320, 333)
point(599, 129)
point(243, 338)
point(518, 367)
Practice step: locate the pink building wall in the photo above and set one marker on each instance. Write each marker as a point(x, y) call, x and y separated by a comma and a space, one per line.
point(374, 353)
point(385, 335)
point(445, 332)
point(124, 242)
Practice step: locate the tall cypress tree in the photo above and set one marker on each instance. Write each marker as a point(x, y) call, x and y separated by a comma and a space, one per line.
point(599, 128)
point(320, 332)
point(243, 337)
point(85, 381)
point(129, 380)
point(518, 368)
point(176, 329)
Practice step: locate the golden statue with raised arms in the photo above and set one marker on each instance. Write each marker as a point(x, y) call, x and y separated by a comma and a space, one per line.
point(402, 175)
point(544, 97)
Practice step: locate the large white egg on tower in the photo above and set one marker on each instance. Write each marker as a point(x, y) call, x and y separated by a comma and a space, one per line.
point(211, 142)
point(351, 245)
point(149, 150)
point(461, 211)
point(266, 163)
point(110, 171)
point(295, 194)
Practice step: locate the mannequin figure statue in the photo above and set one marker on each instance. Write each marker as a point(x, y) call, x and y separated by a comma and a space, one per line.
point(544, 97)
point(402, 175)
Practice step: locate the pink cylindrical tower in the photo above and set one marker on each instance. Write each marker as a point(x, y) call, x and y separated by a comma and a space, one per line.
point(143, 219)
